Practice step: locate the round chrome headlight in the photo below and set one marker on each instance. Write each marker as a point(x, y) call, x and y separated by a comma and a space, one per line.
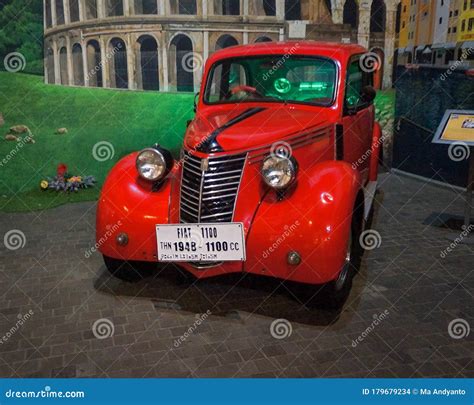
point(151, 164)
point(279, 171)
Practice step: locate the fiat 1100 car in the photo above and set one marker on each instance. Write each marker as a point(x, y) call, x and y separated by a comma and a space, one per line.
point(276, 176)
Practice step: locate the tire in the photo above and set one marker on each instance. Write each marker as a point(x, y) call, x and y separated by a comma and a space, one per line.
point(131, 272)
point(337, 291)
point(381, 157)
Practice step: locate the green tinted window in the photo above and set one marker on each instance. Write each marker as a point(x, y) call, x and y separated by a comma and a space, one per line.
point(281, 78)
point(353, 84)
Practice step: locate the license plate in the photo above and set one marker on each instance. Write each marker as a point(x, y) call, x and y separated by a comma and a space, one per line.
point(200, 242)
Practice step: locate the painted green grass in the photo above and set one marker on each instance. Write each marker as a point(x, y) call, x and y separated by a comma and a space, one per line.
point(128, 120)
point(385, 102)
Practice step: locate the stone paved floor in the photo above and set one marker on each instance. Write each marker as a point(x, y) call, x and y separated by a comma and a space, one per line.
point(405, 278)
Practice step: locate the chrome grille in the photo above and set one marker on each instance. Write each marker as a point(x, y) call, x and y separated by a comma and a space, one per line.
point(209, 191)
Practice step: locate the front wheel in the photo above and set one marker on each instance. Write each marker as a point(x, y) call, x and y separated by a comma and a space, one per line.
point(128, 271)
point(337, 291)
point(334, 294)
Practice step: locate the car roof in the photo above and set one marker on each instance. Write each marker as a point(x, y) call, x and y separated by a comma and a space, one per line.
point(332, 50)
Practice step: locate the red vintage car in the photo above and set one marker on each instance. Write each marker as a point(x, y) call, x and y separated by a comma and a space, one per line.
point(276, 176)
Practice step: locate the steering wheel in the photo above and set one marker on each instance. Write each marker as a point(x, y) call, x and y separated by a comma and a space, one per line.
point(282, 85)
point(245, 89)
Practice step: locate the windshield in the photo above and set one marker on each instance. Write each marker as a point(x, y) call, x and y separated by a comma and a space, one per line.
point(275, 78)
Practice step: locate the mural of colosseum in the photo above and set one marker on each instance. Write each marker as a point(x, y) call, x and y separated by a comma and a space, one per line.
point(160, 44)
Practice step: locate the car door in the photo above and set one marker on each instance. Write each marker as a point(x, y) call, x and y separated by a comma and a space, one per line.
point(358, 118)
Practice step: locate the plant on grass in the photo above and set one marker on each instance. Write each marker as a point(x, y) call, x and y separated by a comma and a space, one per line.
point(63, 181)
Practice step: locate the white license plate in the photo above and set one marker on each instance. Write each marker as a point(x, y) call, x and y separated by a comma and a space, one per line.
point(200, 242)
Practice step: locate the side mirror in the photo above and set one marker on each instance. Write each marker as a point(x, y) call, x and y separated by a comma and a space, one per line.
point(368, 94)
point(196, 97)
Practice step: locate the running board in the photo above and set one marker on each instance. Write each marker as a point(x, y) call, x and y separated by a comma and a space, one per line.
point(369, 194)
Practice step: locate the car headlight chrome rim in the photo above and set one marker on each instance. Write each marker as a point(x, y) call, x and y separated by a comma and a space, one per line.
point(151, 164)
point(279, 172)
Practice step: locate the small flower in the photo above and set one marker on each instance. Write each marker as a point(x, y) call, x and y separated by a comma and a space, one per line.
point(61, 170)
point(44, 185)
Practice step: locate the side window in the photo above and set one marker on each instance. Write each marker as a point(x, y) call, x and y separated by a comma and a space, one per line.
point(354, 84)
point(224, 78)
point(357, 79)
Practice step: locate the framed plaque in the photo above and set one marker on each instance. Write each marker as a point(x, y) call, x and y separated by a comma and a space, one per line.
point(456, 126)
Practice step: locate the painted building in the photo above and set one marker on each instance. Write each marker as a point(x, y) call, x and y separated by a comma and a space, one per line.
point(454, 8)
point(404, 24)
point(466, 22)
point(441, 49)
point(162, 44)
point(438, 32)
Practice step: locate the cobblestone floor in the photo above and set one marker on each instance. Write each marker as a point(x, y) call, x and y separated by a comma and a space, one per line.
point(419, 292)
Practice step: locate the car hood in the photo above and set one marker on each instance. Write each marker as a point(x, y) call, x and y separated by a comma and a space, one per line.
point(243, 126)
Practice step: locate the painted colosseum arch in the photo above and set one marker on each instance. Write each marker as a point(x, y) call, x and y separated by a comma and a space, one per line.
point(143, 7)
point(47, 11)
point(263, 7)
point(183, 7)
point(226, 40)
point(77, 65)
point(59, 12)
point(148, 65)
point(91, 9)
point(63, 65)
point(377, 16)
point(350, 13)
point(50, 72)
point(292, 10)
point(74, 10)
point(263, 38)
point(118, 70)
point(182, 63)
point(114, 8)
point(94, 64)
point(227, 7)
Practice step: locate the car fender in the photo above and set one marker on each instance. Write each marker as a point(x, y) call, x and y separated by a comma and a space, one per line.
point(128, 204)
point(313, 219)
